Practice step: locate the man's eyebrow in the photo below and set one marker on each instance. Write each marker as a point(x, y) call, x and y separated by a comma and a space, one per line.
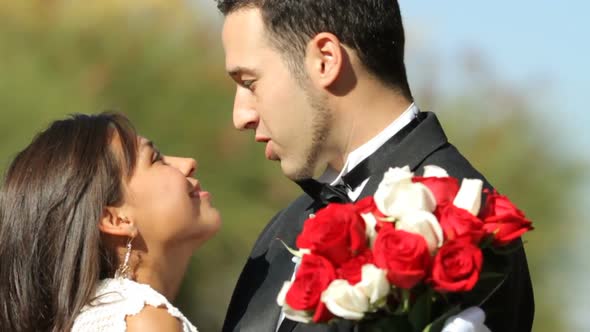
point(241, 70)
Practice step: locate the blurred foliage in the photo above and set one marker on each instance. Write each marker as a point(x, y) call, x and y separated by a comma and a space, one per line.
point(162, 64)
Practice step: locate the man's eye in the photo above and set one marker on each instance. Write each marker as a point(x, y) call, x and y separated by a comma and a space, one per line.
point(248, 84)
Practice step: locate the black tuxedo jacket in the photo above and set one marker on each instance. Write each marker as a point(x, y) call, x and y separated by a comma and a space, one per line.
point(253, 306)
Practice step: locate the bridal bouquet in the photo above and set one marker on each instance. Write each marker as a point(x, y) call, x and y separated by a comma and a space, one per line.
point(397, 258)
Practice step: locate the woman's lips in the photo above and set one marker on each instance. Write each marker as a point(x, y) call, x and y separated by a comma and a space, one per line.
point(196, 190)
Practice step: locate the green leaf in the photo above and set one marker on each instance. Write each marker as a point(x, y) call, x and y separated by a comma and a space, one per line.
point(421, 312)
point(405, 300)
point(387, 219)
point(293, 252)
point(491, 275)
point(487, 242)
point(508, 249)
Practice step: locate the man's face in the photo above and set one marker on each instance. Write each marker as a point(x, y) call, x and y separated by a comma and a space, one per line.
point(289, 119)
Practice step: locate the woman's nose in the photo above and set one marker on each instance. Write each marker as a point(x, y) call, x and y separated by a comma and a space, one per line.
point(187, 166)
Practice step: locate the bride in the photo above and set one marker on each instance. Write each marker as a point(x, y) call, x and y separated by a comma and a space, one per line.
point(97, 229)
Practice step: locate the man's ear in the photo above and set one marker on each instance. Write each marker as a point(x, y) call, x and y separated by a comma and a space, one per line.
point(113, 222)
point(324, 59)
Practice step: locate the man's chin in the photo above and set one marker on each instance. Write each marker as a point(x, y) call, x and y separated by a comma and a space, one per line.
point(295, 173)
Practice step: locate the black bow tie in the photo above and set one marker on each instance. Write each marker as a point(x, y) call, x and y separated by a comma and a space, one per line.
point(324, 193)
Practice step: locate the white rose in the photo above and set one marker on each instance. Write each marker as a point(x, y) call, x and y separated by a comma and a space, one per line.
point(425, 224)
point(469, 320)
point(295, 315)
point(345, 300)
point(469, 196)
point(398, 195)
point(374, 285)
point(398, 174)
point(370, 223)
point(435, 171)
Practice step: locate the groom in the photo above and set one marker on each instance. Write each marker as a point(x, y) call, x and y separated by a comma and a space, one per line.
point(322, 83)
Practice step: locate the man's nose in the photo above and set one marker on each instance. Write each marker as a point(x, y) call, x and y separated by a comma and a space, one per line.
point(244, 114)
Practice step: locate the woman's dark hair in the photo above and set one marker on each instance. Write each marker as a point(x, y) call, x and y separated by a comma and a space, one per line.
point(373, 28)
point(51, 201)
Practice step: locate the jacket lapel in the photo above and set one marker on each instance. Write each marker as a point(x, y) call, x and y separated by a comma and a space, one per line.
point(263, 311)
point(426, 138)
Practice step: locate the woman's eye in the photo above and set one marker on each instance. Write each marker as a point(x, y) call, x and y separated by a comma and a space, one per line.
point(157, 156)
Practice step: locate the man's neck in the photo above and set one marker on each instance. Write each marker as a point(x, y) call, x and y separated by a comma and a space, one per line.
point(362, 115)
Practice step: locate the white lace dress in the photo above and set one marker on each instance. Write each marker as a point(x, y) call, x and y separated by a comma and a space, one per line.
point(118, 298)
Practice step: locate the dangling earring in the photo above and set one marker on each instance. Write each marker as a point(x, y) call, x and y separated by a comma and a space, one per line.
point(124, 271)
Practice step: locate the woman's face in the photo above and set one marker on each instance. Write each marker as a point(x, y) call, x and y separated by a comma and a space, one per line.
point(166, 202)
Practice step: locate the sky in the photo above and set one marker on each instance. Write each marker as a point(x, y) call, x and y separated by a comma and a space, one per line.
point(525, 40)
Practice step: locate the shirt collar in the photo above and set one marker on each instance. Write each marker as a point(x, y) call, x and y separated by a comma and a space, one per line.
point(362, 152)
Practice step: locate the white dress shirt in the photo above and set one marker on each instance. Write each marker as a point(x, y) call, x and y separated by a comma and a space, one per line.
point(364, 151)
point(356, 157)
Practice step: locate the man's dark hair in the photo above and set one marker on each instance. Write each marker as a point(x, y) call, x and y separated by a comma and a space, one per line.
point(373, 28)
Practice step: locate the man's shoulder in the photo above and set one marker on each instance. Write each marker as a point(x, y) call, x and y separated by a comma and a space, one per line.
point(457, 165)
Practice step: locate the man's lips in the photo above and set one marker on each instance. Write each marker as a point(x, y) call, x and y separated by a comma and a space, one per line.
point(268, 152)
point(261, 139)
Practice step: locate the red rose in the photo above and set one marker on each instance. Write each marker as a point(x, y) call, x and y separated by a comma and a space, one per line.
point(456, 266)
point(497, 205)
point(457, 223)
point(351, 269)
point(444, 189)
point(313, 276)
point(404, 255)
point(503, 220)
point(337, 232)
point(367, 206)
point(322, 314)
